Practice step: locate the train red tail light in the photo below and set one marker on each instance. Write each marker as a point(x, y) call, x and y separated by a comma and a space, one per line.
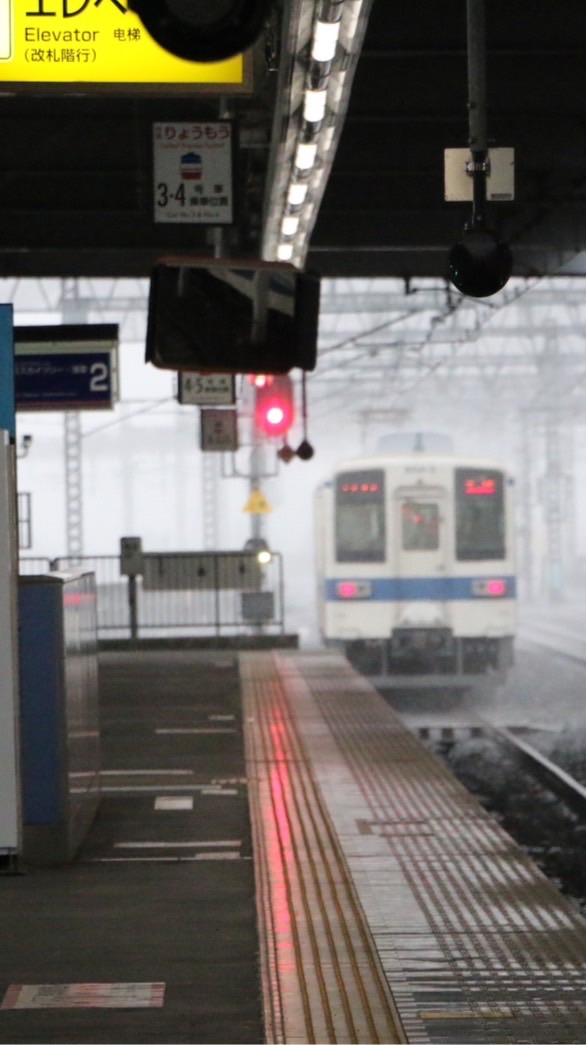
point(354, 589)
point(494, 588)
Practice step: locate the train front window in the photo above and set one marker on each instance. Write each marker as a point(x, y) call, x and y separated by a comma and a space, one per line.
point(420, 526)
point(360, 516)
point(480, 514)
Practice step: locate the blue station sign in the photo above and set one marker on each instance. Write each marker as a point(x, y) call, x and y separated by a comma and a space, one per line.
point(66, 381)
point(65, 368)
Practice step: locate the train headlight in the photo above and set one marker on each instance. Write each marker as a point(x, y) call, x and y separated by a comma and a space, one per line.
point(491, 588)
point(353, 589)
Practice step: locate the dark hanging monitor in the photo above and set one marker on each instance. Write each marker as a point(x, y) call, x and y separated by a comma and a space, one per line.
point(243, 317)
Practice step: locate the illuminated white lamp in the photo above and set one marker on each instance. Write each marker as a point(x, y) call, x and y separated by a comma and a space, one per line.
point(289, 225)
point(314, 105)
point(297, 193)
point(305, 155)
point(325, 38)
point(285, 251)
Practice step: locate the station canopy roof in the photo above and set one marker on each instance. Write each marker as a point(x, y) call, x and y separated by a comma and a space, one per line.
point(78, 180)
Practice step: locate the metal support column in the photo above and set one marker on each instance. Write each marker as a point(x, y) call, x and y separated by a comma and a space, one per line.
point(256, 474)
point(476, 41)
point(209, 490)
point(10, 786)
point(569, 535)
point(73, 485)
point(525, 510)
point(553, 507)
point(73, 311)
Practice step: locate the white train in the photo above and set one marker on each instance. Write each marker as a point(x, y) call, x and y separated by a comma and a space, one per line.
point(415, 564)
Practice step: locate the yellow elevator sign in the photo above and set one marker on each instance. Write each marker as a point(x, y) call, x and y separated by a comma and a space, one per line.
point(99, 44)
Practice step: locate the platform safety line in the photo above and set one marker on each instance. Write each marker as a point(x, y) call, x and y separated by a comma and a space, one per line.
point(271, 988)
point(271, 899)
point(289, 805)
point(280, 801)
point(300, 816)
point(329, 852)
point(375, 973)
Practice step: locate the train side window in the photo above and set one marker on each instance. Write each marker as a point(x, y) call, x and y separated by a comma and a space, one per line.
point(420, 526)
point(480, 514)
point(360, 529)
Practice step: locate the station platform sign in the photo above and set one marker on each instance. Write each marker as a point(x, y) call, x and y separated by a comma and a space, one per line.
point(206, 389)
point(218, 429)
point(67, 367)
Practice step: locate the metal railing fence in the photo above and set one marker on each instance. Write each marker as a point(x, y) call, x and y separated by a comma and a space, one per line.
point(31, 564)
point(228, 594)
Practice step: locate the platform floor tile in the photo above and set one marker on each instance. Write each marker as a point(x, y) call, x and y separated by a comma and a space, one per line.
point(474, 943)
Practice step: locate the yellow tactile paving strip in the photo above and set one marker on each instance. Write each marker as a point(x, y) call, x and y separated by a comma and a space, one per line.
point(352, 814)
point(322, 980)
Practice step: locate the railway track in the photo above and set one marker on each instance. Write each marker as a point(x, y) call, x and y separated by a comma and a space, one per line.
point(568, 789)
point(552, 776)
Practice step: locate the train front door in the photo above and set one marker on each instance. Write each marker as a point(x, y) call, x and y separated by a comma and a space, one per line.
point(422, 558)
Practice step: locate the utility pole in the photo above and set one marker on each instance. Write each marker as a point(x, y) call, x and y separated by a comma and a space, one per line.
point(73, 311)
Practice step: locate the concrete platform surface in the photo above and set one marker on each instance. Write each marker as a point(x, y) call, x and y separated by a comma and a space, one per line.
point(150, 935)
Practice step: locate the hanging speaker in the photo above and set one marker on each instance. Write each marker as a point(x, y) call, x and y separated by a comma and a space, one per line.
point(200, 30)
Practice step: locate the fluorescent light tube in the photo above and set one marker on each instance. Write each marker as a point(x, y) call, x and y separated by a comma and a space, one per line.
point(305, 155)
point(289, 225)
point(314, 105)
point(285, 251)
point(297, 193)
point(325, 38)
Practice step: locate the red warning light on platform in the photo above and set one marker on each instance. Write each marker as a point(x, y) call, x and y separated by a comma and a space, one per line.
point(274, 409)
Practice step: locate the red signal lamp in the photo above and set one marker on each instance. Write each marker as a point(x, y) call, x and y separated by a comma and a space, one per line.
point(274, 409)
point(260, 380)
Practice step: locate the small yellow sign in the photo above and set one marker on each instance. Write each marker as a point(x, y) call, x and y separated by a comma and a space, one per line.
point(257, 504)
point(99, 42)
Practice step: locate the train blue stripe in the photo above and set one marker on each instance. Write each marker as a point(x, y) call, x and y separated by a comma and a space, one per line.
point(410, 589)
